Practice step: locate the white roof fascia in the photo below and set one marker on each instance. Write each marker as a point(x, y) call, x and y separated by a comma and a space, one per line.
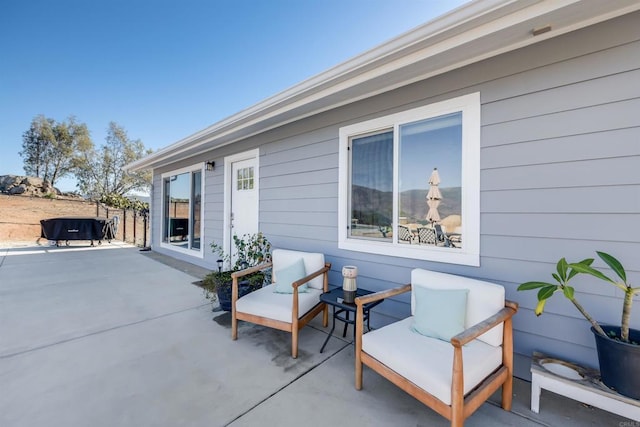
point(473, 21)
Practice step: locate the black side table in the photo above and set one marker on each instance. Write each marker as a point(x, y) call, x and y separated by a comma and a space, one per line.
point(342, 310)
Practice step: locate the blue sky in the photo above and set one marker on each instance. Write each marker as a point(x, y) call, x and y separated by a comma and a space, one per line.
point(166, 69)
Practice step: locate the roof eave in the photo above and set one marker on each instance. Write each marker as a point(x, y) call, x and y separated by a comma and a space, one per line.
point(480, 20)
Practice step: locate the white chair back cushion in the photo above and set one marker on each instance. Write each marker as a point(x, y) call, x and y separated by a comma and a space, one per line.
point(313, 262)
point(484, 300)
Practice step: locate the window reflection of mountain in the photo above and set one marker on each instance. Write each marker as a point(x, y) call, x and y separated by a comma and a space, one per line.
point(413, 203)
point(374, 207)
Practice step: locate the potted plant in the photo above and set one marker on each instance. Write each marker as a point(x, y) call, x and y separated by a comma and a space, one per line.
point(618, 346)
point(250, 250)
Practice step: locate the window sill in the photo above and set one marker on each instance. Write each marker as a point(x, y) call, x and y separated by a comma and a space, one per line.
point(426, 253)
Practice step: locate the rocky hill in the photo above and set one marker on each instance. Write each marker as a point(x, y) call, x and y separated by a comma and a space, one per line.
point(30, 186)
point(26, 185)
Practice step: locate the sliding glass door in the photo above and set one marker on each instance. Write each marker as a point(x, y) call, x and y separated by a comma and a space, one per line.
point(182, 210)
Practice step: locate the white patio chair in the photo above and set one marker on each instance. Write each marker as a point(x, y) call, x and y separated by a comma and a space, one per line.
point(290, 311)
point(462, 354)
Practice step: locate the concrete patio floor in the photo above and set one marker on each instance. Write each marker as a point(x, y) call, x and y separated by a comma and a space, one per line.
point(112, 336)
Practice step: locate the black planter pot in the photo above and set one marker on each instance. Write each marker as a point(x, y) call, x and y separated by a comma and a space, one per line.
point(224, 293)
point(619, 361)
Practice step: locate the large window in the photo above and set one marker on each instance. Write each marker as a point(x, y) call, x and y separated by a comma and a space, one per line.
point(409, 183)
point(182, 210)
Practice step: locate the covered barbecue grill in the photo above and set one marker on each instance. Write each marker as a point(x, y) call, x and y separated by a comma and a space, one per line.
point(65, 229)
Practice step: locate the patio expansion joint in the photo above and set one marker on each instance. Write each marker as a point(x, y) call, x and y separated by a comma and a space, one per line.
point(348, 343)
point(286, 385)
point(520, 414)
point(3, 256)
point(113, 328)
point(525, 416)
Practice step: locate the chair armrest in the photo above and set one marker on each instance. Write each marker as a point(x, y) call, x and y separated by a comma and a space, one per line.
point(295, 309)
point(376, 296)
point(246, 271)
point(238, 274)
point(359, 326)
point(323, 270)
point(480, 328)
point(366, 299)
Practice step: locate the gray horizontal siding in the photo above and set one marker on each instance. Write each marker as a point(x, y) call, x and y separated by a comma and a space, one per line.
point(295, 191)
point(325, 220)
point(560, 163)
point(545, 250)
point(582, 173)
point(560, 156)
point(278, 232)
point(566, 75)
point(528, 343)
point(598, 91)
point(286, 179)
point(596, 227)
point(609, 199)
point(597, 145)
point(580, 121)
point(294, 167)
point(291, 149)
point(300, 205)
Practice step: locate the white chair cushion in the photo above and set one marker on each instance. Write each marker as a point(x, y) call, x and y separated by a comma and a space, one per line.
point(428, 362)
point(266, 303)
point(484, 299)
point(313, 262)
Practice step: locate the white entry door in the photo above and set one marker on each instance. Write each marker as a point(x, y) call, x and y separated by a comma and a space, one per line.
point(243, 200)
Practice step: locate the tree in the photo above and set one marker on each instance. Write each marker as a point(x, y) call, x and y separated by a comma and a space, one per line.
point(71, 139)
point(50, 149)
point(100, 172)
point(34, 143)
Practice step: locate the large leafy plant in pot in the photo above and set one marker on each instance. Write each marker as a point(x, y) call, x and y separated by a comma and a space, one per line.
point(618, 346)
point(250, 250)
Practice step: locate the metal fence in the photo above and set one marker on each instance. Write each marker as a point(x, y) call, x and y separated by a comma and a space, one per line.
point(132, 226)
point(20, 217)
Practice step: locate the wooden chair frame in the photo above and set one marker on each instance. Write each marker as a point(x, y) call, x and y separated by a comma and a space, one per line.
point(297, 322)
point(461, 406)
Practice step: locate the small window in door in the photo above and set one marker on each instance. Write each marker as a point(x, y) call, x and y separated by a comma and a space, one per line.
point(245, 179)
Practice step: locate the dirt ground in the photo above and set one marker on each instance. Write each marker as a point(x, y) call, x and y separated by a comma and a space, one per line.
point(20, 217)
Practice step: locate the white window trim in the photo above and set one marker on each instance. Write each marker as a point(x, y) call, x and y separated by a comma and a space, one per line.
point(469, 254)
point(188, 251)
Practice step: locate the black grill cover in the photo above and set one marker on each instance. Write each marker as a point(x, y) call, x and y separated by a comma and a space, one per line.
point(77, 229)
